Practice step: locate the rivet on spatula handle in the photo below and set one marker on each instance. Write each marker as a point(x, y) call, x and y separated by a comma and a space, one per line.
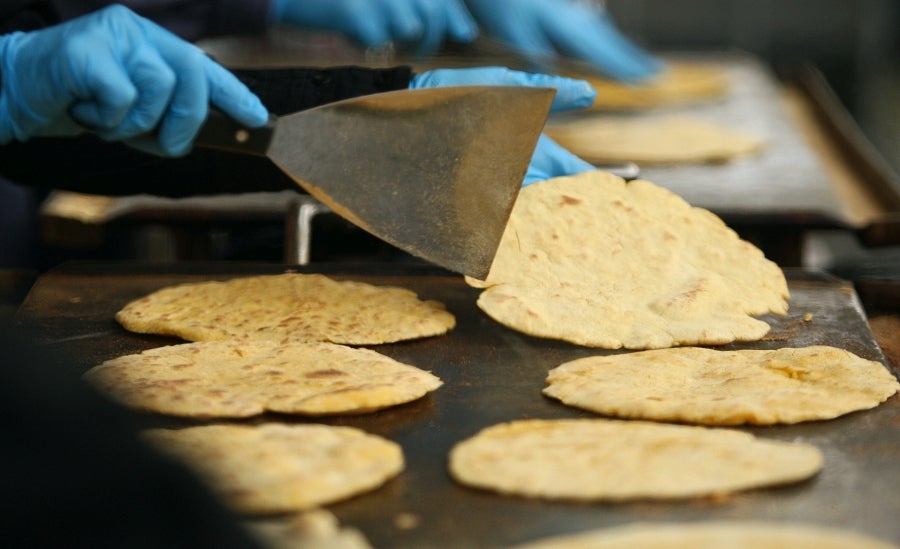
point(221, 132)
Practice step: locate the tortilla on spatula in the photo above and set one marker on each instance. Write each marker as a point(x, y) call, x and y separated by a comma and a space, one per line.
point(599, 262)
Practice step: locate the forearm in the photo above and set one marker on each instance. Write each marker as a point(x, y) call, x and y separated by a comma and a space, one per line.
point(189, 19)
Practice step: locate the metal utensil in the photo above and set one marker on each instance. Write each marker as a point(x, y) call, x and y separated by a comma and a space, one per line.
point(433, 171)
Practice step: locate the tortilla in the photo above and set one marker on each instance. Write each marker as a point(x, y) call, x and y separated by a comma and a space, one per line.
point(706, 386)
point(242, 379)
point(287, 308)
point(617, 460)
point(597, 262)
point(314, 529)
point(276, 468)
point(713, 534)
point(651, 140)
point(680, 82)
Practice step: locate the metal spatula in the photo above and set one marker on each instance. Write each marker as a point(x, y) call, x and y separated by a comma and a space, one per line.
point(433, 171)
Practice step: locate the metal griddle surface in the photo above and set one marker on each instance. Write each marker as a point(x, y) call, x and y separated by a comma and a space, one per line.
point(492, 374)
point(785, 182)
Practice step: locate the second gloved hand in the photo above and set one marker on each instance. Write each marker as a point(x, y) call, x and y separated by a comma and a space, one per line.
point(543, 29)
point(424, 24)
point(549, 159)
point(119, 75)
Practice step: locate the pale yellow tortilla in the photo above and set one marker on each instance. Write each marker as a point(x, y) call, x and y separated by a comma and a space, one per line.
point(706, 386)
point(313, 529)
point(714, 534)
point(680, 82)
point(652, 140)
point(287, 308)
point(242, 379)
point(594, 261)
point(616, 460)
point(276, 468)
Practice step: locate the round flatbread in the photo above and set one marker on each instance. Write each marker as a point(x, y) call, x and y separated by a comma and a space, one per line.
point(651, 140)
point(680, 82)
point(313, 529)
point(242, 379)
point(721, 534)
point(277, 468)
point(597, 459)
point(594, 261)
point(706, 386)
point(287, 308)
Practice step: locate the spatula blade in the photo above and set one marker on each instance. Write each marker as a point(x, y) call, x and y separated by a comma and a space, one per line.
point(434, 172)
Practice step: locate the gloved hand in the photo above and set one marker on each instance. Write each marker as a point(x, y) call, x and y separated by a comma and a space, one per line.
point(549, 158)
point(543, 29)
point(119, 75)
point(424, 24)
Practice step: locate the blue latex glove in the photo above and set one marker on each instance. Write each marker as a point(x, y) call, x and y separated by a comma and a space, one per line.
point(423, 24)
point(119, 75)
point(544, 29)
point(549, 159)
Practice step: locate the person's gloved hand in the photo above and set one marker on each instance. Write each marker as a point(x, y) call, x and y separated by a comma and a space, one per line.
point(423, 24)
point(549, 159)
point(542, 29)
point(119, 75)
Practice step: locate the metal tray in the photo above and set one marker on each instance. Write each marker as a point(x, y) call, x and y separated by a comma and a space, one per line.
point(492, 374)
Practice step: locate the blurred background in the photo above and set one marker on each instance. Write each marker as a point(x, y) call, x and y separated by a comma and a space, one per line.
point(855, 43)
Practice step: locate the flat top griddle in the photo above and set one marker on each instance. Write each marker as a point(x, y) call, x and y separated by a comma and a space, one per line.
point(785, 182)
point(493, 374)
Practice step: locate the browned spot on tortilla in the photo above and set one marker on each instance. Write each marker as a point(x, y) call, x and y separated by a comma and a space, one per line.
point(326, 373)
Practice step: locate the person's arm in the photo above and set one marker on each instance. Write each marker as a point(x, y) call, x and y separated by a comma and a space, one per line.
point(189, 19)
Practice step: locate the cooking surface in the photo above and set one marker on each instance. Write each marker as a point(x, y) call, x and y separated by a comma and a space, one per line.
point(785, 181)
point(784, 178)
point(493, 374)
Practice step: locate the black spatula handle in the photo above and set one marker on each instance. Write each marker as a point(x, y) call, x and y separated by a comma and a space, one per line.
point(221, 132)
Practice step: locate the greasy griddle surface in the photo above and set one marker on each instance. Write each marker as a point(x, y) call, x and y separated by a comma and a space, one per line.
point(493, 374)
point(785, 181)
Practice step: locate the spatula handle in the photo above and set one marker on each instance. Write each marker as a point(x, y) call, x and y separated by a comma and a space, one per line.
point(221, 132)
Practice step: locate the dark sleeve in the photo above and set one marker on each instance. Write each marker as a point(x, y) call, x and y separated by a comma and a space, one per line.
point(78, 475)
point(189, 19)
point(86, 164)
point(26, 15)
